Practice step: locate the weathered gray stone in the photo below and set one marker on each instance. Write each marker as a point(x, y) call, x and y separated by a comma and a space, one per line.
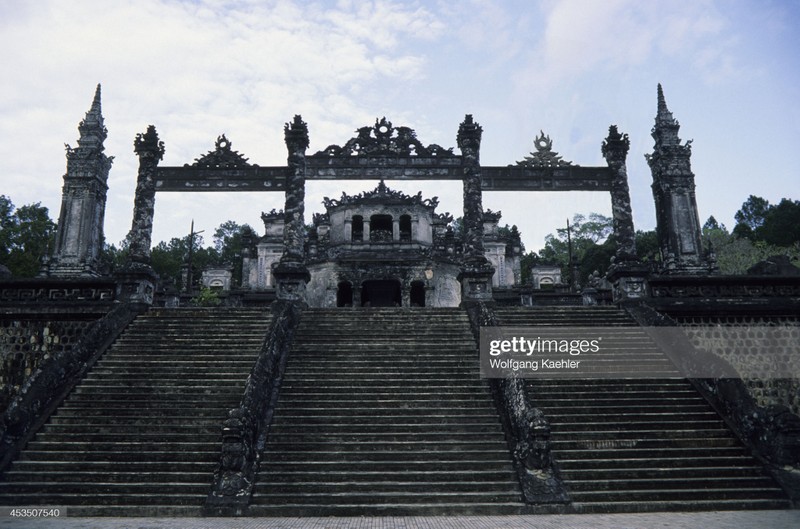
point(79, 237)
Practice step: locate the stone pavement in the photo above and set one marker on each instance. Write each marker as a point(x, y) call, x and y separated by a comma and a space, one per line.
point(703, 520)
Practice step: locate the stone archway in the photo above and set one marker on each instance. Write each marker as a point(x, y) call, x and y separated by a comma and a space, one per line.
point(344, 294)
point(381, 293)
point(417, 294)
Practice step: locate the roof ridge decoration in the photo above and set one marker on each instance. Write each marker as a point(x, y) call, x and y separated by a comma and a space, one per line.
point(222, 157)
point(383, 139)
point(383, 194)
point(544, 156)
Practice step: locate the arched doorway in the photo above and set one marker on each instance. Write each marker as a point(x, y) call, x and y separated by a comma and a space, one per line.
point(344, 294)
point(417, 295)
point(381, 293)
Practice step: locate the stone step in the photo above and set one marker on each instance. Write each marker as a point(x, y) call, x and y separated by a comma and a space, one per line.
point(656, 473)
point(393, 508)
point(276, 468)
point(686, 505)
point(645, 444)
point(79, 476)
point(384, 448)
point(644, 452)
point(676, 494)
point(107, 467)
point(384, 427)
point(392, 497)
point(680, 483)
point(73, 497)
point(105, 487)
point(209, 455)
point(647, 462)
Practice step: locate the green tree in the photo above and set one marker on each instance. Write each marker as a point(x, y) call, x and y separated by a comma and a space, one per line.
point(228, 242)
point(647, 245)
point(781, 224)
point(736, 254)
point(26, 235)
point(750, 216)
point(592, 245)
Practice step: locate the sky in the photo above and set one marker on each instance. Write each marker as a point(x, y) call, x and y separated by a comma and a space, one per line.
point(197, 69)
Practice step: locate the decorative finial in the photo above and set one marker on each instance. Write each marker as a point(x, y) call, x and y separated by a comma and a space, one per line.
point(663, 115)
point(148, 145)
point(296, 134)
point(615, 147)
point(92, 129)
point(469, 134)
point(662, 103)
point(544, 156)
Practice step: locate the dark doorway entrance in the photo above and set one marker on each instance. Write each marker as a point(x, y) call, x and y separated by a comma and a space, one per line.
point(381, 293)
point(344, 294)
point(417, 294)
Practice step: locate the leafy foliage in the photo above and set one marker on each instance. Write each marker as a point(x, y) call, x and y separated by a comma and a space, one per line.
point(26, 235)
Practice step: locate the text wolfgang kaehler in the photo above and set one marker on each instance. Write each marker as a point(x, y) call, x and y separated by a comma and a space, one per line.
point(539, 346)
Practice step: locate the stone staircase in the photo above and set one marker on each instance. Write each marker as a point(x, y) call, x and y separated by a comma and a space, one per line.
point(140, 435)
point(382, 412)
point(644, 444)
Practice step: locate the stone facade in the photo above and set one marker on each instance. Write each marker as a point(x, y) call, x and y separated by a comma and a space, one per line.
point(382, 248)
point(545, 276)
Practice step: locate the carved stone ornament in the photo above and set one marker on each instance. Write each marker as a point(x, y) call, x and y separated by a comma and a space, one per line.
point(383, 139)
point(544, 155)
point(382, 195)
point(222, 157)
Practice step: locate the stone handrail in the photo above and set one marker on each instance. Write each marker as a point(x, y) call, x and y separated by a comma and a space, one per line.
point(244, 432)
point(527, 429)
point(771, 432)
point(49, 385)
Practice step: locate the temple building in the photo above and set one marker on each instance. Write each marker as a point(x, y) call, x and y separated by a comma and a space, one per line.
point(382, 248)
point(346, 375)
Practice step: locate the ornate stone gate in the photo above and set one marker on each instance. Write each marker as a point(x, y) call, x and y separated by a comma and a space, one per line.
point(386, 152)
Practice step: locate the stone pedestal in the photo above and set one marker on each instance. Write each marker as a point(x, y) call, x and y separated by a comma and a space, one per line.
point(291, 279)
point(629, 281)
point(136, 284)
point(476, 281)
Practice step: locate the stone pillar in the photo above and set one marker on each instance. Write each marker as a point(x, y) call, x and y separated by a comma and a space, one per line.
point(79, 236)
point(628, 276)
point(395, 229)
point(138, 278)
point(677, 220)
point(348, 229)
point(291, 274)
point(150, 151)
point(615, 151)
point(365, 238)
point(476, 271)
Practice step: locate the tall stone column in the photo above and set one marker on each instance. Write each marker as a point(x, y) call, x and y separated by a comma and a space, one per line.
point(677, 220)
point(628, 276)
point(150, 151)
point(79, 236)
point(615, 151)
point(291, 273)
point(476, 271)
point(138, 278)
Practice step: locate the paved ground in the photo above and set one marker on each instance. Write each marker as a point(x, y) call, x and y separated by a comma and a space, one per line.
point(704, 520)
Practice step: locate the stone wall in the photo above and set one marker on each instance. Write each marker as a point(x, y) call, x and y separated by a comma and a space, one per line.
point(25, 343)
point(768, 387)
point(440, 280)
point(42, 318)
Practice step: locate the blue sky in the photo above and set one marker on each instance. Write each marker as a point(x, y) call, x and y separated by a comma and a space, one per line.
point(196, 69)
